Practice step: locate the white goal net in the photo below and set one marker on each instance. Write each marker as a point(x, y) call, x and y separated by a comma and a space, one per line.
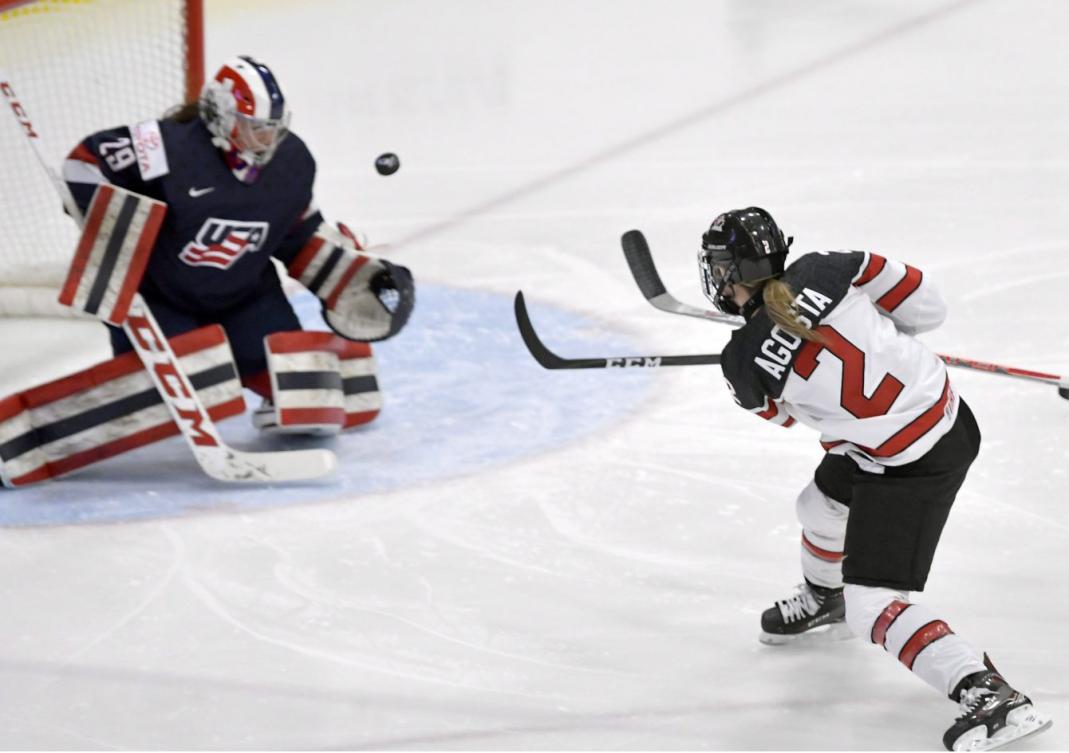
point(77, 66)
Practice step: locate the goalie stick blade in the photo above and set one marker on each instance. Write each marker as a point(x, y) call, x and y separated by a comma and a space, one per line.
point(640, 262)
point(226, 464)
point(550, 360)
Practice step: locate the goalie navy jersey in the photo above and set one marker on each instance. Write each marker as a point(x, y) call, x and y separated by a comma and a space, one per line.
point(215, 246)
point(871, 389)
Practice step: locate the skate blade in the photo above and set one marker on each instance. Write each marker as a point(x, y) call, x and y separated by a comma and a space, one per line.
point(1021, 723)
point(836, 631)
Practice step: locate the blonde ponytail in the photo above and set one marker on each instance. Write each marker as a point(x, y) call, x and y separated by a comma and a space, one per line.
point(779, 302)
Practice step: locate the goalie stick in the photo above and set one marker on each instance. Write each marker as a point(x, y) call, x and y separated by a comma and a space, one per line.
point(550, 360)
point(640, 262)
point(215, 458)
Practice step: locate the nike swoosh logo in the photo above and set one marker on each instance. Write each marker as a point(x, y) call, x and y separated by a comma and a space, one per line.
point(196, 192)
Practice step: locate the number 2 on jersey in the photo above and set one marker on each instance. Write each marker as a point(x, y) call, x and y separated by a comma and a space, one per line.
point(852, 394)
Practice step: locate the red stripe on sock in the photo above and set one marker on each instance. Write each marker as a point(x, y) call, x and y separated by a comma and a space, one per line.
point(885, 620)
point(825, 554)
point(921, 639)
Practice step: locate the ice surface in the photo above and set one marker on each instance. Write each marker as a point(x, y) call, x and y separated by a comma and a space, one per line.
point(587, 574)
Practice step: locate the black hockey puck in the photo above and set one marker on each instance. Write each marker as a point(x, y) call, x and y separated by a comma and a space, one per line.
point(388, 163)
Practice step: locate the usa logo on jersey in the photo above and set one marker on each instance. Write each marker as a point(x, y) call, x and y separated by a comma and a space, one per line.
point(220, 243)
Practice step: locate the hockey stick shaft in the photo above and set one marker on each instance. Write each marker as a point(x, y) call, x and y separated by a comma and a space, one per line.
point(186, 408)
point(550, 360)
point(640, 262)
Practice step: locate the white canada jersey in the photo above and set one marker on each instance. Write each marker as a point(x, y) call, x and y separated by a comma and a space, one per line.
point(871, 389)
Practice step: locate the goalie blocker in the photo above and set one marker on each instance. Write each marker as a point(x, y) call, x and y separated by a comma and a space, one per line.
point(365, 298)
point(120, 229)
point(108, 409)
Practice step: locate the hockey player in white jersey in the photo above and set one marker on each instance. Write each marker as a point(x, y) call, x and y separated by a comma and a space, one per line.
point(828, 342)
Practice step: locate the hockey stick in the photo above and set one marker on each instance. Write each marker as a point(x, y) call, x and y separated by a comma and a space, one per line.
point(186, 408)
point(550, 360)
point(640, 262)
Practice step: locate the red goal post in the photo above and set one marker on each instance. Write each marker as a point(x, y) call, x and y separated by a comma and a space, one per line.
point(78, 66)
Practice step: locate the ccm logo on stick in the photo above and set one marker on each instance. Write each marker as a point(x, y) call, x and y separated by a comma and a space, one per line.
point(623, 363)
point(17, 108)
point(168, 376)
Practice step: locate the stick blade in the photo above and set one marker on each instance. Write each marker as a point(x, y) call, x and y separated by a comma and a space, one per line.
point(640, 262)
point(227, 464)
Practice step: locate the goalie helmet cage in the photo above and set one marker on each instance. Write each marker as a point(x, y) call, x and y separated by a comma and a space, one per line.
point(79, 66)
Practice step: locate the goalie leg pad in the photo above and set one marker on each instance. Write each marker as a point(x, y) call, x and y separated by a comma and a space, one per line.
point(109, 409)
point(320, 383)
point(120, 230)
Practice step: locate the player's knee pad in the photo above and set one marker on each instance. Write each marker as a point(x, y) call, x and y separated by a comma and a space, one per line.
point(320, 384)
point(109, 409)
point(823, 535)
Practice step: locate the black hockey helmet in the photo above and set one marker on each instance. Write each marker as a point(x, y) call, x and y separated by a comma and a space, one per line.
point(741, 246)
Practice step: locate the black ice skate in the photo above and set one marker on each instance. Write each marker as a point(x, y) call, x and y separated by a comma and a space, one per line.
point(808, 608)
point(993, 714)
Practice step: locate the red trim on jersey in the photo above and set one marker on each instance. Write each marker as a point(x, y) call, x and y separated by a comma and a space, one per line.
point(872, 270)
point(789, 422)
point(311, 416)
point(914, 430)
point(304, 256)
point(82, 153)
point(332, 299)
point(832, 445)
point(894, 297)
point(362, 417)
point(770, 412)
point(101, 199)
point(825, 554)
point(921, 639)
point(885, 620)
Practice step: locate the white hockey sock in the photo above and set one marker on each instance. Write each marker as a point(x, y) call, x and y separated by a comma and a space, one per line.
point(926, 645)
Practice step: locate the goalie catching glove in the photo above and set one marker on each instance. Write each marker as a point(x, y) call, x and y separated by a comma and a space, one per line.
point(364, 297)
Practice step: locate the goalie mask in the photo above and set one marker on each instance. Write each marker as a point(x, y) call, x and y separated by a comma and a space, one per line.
point(246, 113)
point(741, 246)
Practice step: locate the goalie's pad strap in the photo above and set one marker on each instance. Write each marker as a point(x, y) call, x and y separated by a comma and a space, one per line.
point(320, 381)
point(120, 229)
point(108, 409)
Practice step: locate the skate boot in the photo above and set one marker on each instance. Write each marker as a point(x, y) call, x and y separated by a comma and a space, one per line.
point(993, 714)
point(808, 608)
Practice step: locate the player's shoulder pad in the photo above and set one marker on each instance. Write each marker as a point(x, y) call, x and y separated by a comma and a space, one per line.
point(748, 383)
point(296, 155)
point(822, 279)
